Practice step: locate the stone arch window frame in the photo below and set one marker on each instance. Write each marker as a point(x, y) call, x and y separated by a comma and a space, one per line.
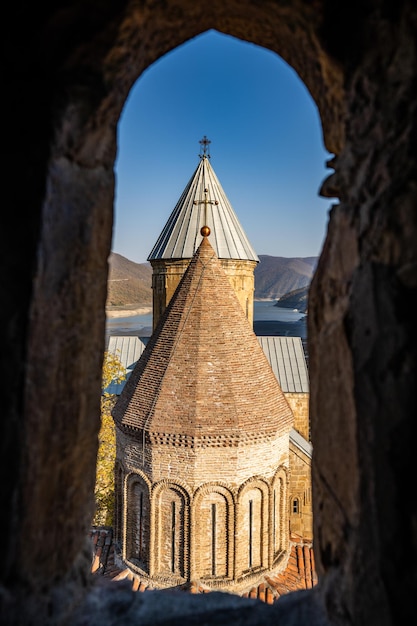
point(256, 482)
point(199, 495)
point(132, 478)
point(158, 489)
point(280, 478)
point(295, 503)
point(303, 53)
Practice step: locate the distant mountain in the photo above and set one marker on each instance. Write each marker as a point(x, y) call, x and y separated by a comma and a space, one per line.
point(276, 276)
point(129, 284)
point(297, 299)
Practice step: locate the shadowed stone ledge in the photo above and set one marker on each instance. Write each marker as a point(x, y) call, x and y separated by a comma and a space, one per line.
point(110, 601)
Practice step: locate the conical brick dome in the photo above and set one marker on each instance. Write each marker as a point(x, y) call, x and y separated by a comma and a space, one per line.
point(203, 376)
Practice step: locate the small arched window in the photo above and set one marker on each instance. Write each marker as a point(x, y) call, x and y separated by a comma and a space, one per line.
point(295, 506)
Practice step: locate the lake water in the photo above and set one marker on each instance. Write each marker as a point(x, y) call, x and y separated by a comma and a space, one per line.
point(268, 320)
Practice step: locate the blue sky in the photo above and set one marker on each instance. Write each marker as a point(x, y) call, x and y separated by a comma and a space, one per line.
point(266, 146)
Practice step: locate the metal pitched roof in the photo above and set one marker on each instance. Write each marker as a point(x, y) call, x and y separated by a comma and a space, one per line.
point(203, 203)
point(128, 349)
point(301, 443)
point(287, 359)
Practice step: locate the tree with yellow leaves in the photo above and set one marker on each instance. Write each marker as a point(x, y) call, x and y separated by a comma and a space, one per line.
point(113, 372)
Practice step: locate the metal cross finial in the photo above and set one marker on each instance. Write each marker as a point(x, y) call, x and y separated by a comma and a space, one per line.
point(204, 150)
point(205, 202)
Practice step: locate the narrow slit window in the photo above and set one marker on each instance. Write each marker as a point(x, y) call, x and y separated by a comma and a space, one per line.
point(173, 537)
point(250, 532)
point(213, 539)
point(141, 524)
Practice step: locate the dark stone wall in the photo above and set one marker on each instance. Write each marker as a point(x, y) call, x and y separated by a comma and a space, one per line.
point(68, 68)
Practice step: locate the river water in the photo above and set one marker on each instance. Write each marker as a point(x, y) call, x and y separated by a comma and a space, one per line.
point(268, 320)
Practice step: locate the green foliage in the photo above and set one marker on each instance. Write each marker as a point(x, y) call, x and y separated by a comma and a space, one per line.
point(113, 371)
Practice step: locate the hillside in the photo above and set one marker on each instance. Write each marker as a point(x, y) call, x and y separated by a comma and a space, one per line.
point(297, 299)
point(129, 284)
point(276, 276)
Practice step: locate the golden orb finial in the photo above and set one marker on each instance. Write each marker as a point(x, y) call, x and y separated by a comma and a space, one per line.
point(205, 231)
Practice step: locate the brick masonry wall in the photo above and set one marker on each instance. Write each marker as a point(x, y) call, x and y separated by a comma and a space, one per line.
point(301, 522)
point(299, 403)
point(229, 465)
point(195, 466)
point(167, 275)
point(247, 486)
point(213, 522)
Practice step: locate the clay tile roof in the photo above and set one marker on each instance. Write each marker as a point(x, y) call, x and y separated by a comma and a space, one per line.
point(203, 371)
point(300, 571)
point(203, 203)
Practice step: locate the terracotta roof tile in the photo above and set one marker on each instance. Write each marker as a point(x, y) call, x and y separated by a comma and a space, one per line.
point(299, 574)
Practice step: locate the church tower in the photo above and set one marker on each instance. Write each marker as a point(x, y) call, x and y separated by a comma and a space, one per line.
point(202, 435)
point(203, 202)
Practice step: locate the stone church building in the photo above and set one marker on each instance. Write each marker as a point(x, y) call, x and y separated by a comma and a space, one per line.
point(213, 459)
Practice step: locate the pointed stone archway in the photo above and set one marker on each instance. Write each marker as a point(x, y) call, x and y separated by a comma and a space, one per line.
point(66, 82)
